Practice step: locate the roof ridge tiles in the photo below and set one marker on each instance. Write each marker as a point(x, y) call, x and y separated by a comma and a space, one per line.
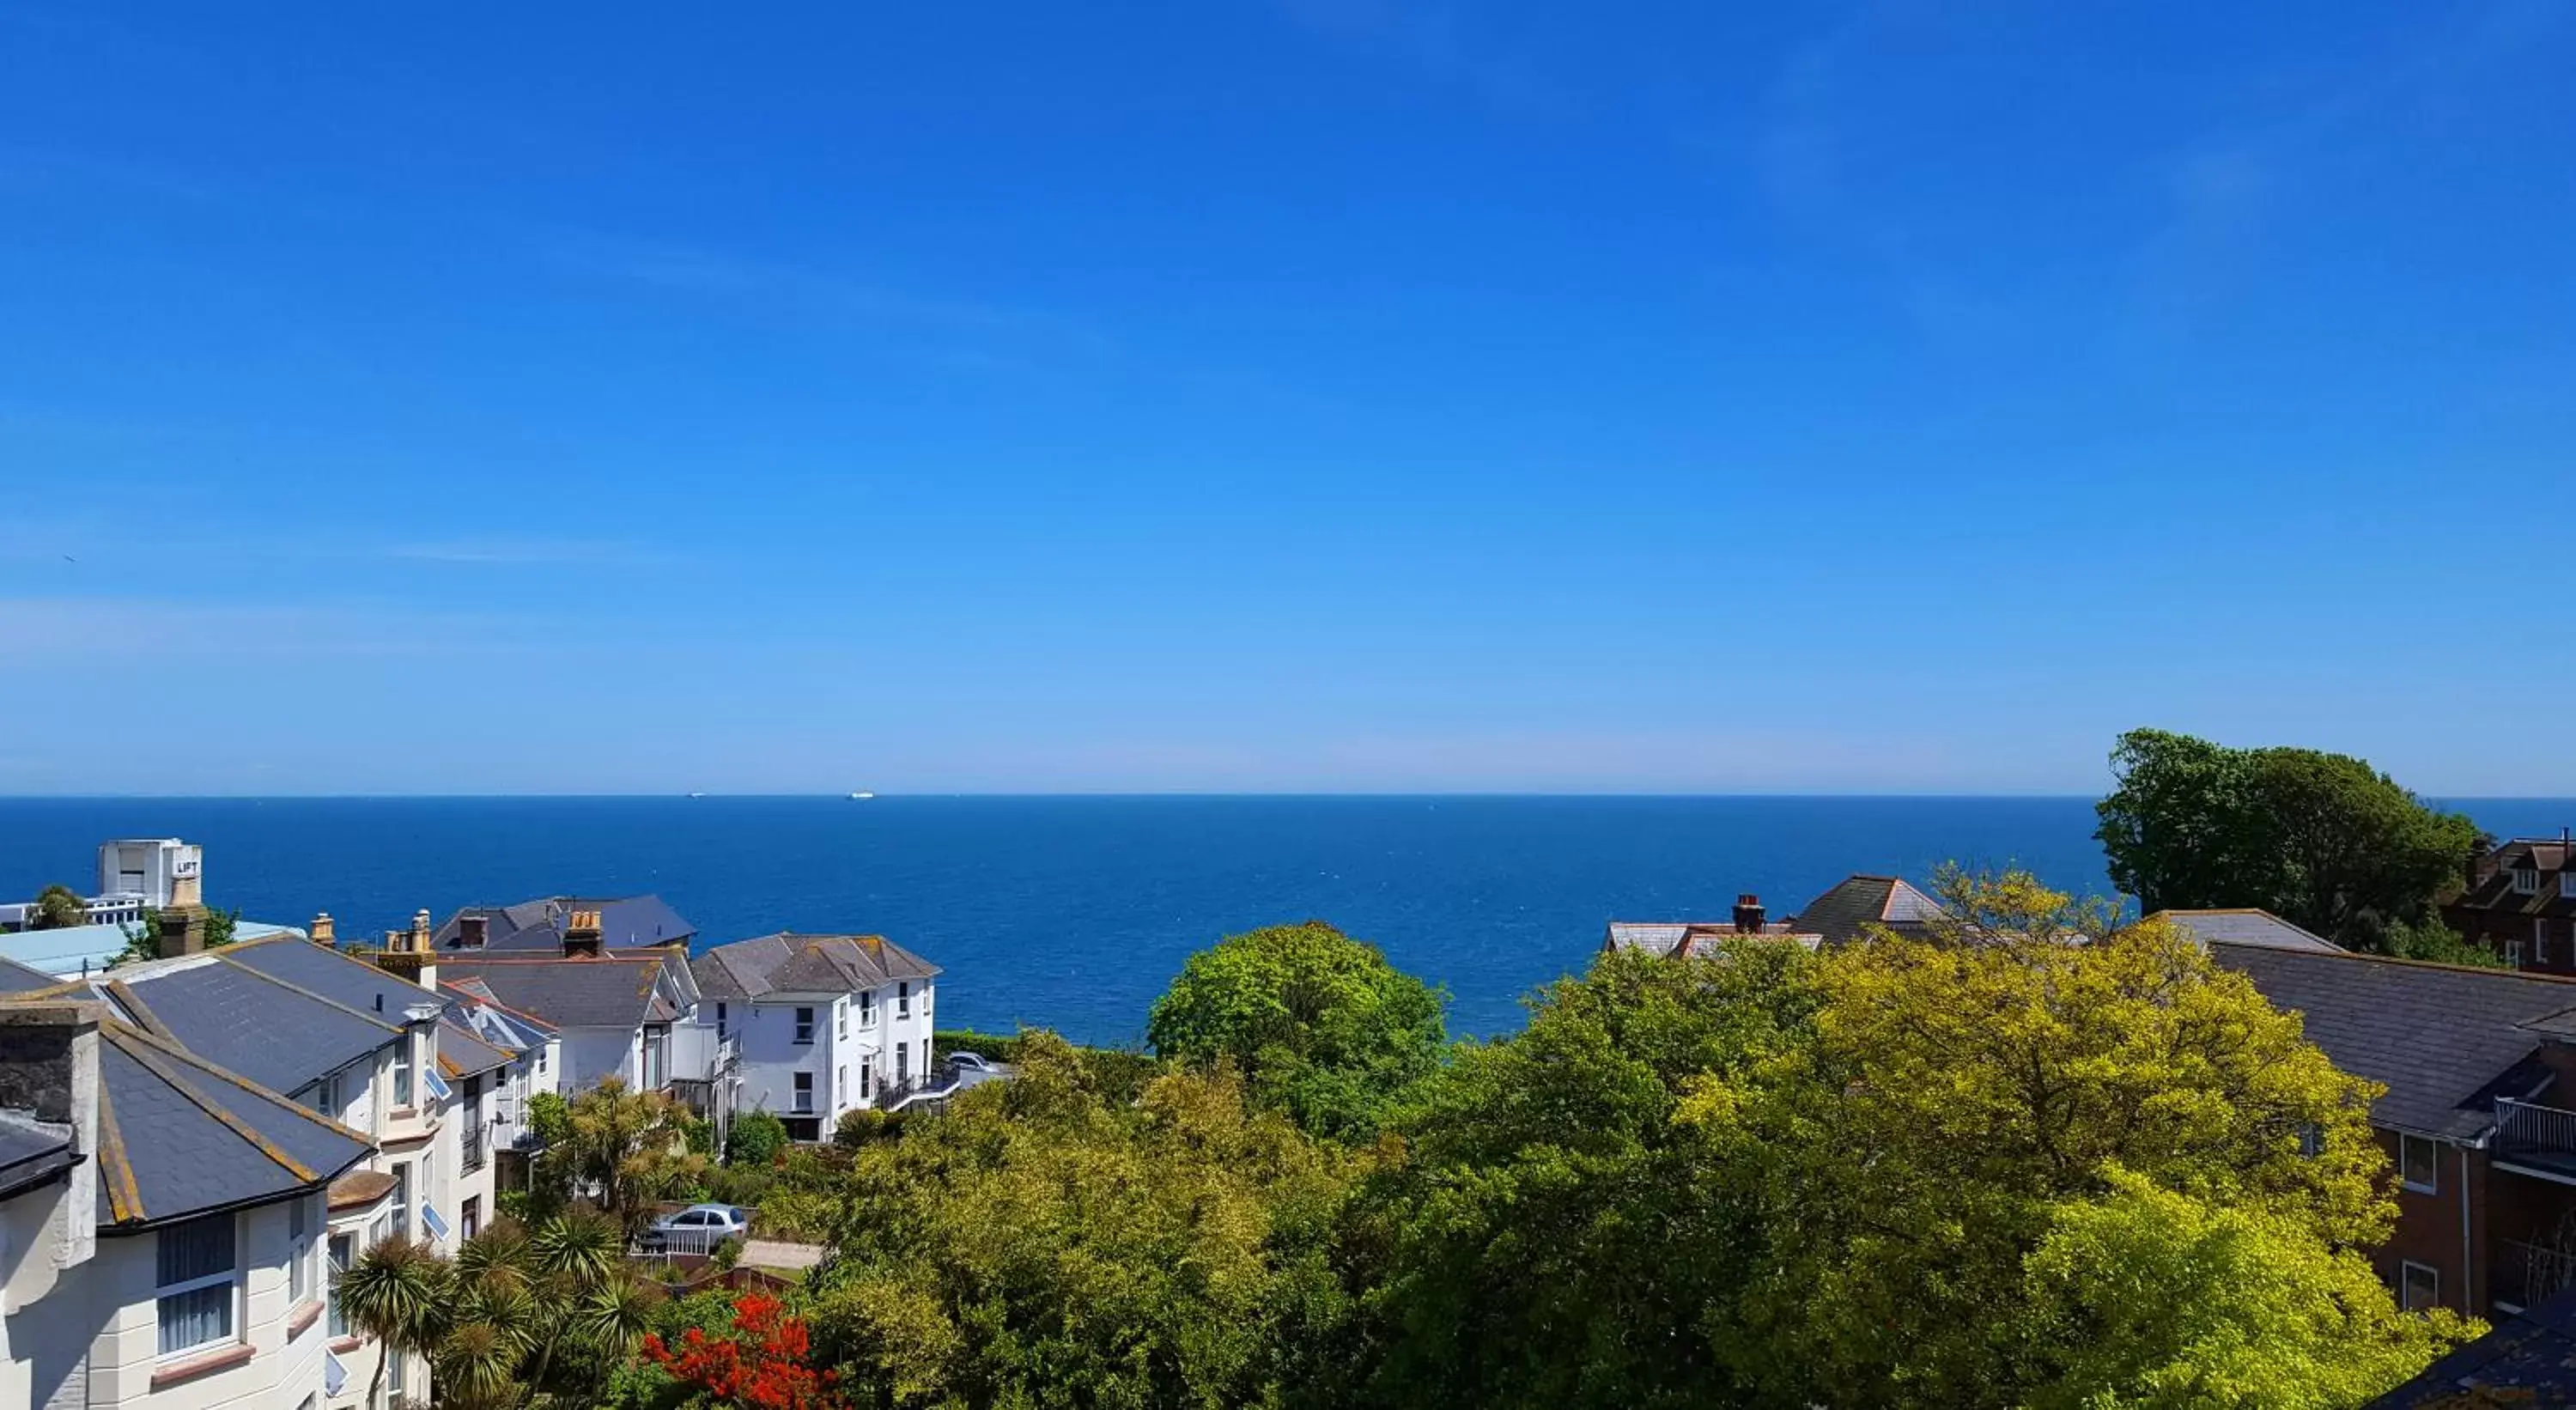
point(124, 1196)
point(155, 1062)
point(292, 987)
point(2484, 971)
point(172, 1051)
point(144, 1017)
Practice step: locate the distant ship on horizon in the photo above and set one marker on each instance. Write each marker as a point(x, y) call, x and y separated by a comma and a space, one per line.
point(861, 797)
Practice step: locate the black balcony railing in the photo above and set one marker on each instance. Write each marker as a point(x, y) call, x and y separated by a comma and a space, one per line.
point(2526, 1273)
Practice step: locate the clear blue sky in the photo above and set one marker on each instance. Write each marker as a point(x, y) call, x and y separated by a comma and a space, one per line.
point(1310, 394)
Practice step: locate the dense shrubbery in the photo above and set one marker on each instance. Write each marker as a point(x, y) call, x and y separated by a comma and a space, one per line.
point(1987, 1168)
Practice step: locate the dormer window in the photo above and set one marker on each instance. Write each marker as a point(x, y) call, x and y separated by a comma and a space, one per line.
point(2526, 881)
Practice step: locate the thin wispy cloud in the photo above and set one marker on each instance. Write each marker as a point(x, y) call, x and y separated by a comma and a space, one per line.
point(1006, 334)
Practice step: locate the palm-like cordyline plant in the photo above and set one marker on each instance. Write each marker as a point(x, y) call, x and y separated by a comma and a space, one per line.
point(568, 1258)
point(398, 1293)
point(478, 1365)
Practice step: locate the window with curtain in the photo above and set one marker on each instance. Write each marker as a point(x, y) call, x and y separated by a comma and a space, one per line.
point(197, 1281)
point(402, 1071)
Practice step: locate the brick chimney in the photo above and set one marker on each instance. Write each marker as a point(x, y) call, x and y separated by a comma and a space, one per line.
point(581, 934)
point(49, 1075)
point(1748, 914)
point(182, 931)
point(322, 933)
point(408, 953)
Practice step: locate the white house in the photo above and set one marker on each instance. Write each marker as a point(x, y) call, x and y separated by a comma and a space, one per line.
point(333, 1103)
point(175, 1263)
point(826, 1024)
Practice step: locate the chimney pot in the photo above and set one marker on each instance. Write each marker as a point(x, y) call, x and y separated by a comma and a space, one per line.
point(1749, 914)
point(581, 933)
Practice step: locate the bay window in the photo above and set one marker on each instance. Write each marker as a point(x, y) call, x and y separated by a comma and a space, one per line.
point(197, 1283)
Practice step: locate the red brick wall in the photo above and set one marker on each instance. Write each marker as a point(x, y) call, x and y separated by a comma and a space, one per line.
point(2494, 928)
point(2428, 1229)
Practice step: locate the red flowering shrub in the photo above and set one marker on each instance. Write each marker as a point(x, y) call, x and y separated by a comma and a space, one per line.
point(762, 1366)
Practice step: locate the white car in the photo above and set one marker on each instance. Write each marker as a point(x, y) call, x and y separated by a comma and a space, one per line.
point(700, 1227)
point(973, 1062)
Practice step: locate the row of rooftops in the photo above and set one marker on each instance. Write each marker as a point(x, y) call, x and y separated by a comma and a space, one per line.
point(195, 1075)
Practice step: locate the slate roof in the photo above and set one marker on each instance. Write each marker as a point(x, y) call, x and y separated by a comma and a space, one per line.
point(610, 991)
point(344, 979)
point(179, 1137)
point(1842, 914)
point(246, 1021)
point(625, 923)
point(789, 963)
point(16, 978)
point(2248, 927)
point(462, 1054)
point(1671, 938)
point(508, 1025)
point(2547, 855)
point(2439, 1036)
point(2528, 1358)
point(32, 1152)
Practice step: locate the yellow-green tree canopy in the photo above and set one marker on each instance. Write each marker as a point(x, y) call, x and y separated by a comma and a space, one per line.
point(1050, 1242)
point(1970, 1112)
point(2039, 1158)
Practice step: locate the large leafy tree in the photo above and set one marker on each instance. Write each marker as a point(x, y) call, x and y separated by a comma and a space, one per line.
point(1553, 1236)
point(1950, 1176)
point(2323, 840)
point(1319, 1024)
point(1050, 1242)
point(2034, 1159)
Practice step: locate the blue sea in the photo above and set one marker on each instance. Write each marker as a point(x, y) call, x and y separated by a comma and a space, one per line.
point(1073, 913)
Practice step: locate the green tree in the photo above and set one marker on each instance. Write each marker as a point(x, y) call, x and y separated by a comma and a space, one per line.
point(1552, 1235)
point(1319, 1024)
point(57, 907)
point(1970, 1119)
point(756, 1139)
point(397, 1294)
point(143, 941)
point(625, 1149)
point(1043, 1245)
point(2429, 939)
point(2322, 840)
